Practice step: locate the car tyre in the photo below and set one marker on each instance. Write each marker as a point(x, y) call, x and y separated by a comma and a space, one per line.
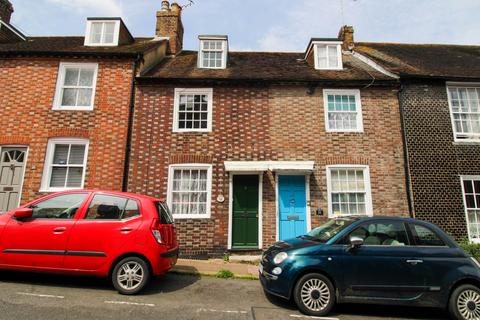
point(130, 275)
point(464, 303)
point(314, 295)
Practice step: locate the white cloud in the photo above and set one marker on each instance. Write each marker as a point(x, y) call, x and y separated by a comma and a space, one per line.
point(93, 7)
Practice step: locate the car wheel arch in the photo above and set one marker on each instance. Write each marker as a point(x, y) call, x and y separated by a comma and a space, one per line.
point(305, 271)
point(126, 255)
point(471, 281)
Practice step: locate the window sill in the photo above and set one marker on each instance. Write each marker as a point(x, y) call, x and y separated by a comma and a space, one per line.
point(344, 131)
point(192, 131)
point(466, 142)
point(58, 190)
point(56, 108)
point(192, 217)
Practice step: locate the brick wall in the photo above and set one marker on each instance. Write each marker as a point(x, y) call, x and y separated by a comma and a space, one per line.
point(265, 123)
point(436, 161)
point(28, 119)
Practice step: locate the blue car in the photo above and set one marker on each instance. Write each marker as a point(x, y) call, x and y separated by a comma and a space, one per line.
point(380, 260)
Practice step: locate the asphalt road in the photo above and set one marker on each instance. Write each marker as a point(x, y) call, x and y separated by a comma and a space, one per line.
point(35, 296)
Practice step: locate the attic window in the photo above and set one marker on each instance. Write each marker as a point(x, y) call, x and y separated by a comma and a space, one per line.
point(328, 55)
point(102, 33)
point(213, 52)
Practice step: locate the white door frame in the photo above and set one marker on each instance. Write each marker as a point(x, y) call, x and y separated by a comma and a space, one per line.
point(20, 191)
point(307, 197)
point(260, 205)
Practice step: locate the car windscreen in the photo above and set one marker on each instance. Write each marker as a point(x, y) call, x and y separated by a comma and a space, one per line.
point(329, 230)
point(164, 213)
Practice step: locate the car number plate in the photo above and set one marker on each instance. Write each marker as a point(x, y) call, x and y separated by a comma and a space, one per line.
point(260, 269)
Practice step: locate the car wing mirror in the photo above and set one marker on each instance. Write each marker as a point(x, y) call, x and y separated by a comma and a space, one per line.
point(356, 242)
point(23, 213)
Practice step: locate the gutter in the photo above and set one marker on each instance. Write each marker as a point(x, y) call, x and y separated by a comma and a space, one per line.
point(406, 161)
point(128, 146)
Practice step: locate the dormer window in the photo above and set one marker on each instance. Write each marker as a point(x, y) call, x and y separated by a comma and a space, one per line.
point(213, 52)
point(102, 32)
point(328, 55)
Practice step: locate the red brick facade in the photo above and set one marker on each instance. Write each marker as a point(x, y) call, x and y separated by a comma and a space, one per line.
point(259, 123)
point(28, 118)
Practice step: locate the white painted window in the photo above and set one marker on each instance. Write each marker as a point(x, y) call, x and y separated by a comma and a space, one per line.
point(328, 55)
point(343, 110)
point(471, 197)
point(189, 190)
point(464, 103)
point(65, 164)
point(213, 54)
point(193, 110)
point(349, 190)
point(76, 86)
point(102, 33)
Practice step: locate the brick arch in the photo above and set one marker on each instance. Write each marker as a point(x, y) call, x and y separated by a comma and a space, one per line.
point(190, 158)
point(15, 140)
point(347, 160)
point(69, 132)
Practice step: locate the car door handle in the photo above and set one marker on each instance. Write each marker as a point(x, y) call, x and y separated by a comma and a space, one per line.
point(414, 262)
point(59, 230)
point(126, 230)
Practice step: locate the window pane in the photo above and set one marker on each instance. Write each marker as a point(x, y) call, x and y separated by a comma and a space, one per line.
point(84, 97)
point(348, 191)
point(382, 234)
point(74, 179)
point(191, 199)
point(71, 76)
point(96, 32)
point(105, 207)
point(58, 177)
point(426, 237)
point(69, 97)
point(332, 57)
point(61, 207)
point(109, 31)
point(77, 154)
point(132, 210)
point(86, 77)
point(60, 154)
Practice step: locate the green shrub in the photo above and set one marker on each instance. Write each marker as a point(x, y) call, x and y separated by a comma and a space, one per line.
point(226, 257)
point(471, 248)
point(224, 274)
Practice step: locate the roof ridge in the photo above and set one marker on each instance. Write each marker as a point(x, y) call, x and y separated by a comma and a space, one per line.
point(416, 44)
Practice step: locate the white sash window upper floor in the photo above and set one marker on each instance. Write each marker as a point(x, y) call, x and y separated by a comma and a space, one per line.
point(464, 101)
point(213, 52)
point(76, 85)
point(328, 55)
point(193, 110)
point(343, 110)
point(102, 33)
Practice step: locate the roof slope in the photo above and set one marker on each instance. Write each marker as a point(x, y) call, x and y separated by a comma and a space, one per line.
point(73, 45)
point(262, 66)
point(425, 60)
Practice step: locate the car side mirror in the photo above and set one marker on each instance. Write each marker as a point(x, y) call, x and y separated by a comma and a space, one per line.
point(356, 242)
point(23, 213)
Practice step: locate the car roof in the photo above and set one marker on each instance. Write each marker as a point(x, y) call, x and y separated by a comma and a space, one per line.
point(379, 217)
point(117, 193)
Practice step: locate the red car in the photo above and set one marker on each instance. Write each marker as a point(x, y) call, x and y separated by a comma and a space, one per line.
point(124, 236)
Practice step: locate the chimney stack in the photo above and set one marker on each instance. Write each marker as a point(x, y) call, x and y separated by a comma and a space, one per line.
point(346, 35)
point(6, 10)
point(169, 24)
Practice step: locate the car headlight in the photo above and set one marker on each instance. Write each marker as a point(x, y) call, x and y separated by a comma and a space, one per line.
point(280, 257)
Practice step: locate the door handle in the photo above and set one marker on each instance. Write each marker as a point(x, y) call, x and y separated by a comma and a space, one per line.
point(59, 230)
point(414, 262)
point(126, 230)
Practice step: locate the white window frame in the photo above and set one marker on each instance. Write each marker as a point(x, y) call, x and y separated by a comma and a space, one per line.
point(47, 169)
point(462, 179)
point(368, 190)
point(338, 44)
point(116, 34)
point(57, 101)
point(196, 91)
point(358, 103)
point(224, 51)
point(191, 166)
point(476, 137)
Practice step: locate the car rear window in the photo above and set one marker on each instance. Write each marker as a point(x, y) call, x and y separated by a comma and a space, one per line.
point(425, 237)
point(164, 213)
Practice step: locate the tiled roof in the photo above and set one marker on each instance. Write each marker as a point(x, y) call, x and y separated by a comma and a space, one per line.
point(425, 60)
point(262, 66)
point(73, 46)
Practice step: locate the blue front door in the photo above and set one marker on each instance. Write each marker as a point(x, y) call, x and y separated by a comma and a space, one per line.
point(292, 206)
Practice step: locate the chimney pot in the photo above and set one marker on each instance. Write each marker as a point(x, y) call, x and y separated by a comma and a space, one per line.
point(6, 10)
point(165, 6)
point(346, 35)
point(176, 7)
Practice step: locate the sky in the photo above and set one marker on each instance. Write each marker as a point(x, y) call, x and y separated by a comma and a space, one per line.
point(268, 25)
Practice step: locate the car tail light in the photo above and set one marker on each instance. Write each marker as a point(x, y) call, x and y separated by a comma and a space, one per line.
point(157, 235)
point(164, 233)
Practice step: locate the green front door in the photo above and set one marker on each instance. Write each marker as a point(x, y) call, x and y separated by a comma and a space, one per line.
point(245, 212)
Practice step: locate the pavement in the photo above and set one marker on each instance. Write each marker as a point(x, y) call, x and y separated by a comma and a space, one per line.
point(213, 266)
point(28, 296)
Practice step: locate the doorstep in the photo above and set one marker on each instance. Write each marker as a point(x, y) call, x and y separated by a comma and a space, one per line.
point(211, 267)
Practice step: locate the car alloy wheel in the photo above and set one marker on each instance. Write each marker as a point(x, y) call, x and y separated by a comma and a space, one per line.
point(468, 304)
point(314, 294)
point(130, 275)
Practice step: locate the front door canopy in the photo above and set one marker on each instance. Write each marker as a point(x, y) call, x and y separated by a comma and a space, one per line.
point(260, 166)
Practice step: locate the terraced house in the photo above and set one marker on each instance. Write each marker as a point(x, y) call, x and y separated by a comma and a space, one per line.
point(439, 99)
point(253, 147)
point(65, 107)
